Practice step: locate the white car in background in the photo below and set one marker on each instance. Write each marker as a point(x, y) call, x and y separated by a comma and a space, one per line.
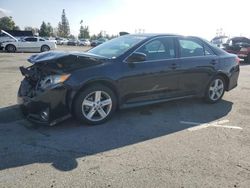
point(219, 41)
point(28, 44)
point(62, 41)
point(84, 42)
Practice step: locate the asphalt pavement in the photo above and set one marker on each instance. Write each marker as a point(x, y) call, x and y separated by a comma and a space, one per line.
point(185, 143)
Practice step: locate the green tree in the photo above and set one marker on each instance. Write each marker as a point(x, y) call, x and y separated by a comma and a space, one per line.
point(93, 37)
point(6, 23)
point(33, 29)
point(100, 35)
point(49, 29)
point(46, 30)
point(84, 32)
point(16, 27)
point(111, 36)
point(63, 26)
point(43, 30)
point(71, 36)
point(28, 28)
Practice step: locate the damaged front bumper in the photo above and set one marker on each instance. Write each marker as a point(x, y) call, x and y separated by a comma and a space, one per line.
point(48, 107)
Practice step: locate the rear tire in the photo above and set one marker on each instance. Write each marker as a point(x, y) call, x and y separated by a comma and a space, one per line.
point(215, 90)
point(95, 105)
point(10, 48)
point(45, 48)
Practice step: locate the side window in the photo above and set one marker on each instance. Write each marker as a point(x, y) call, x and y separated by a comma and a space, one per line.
point(41, 40)
point(31, 39)
point(162, 48)
point(190, 48)
point(155, 47)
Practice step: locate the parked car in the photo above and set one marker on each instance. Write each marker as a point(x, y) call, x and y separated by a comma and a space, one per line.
point(5, 36)
point(219, 41)
point(52, 39)
point(84, 42)
point(127, 71)
point(62, 41)
point(73, 42)
point(98, 42)
point(15, 33)
point(239, 46)
point(28, 44)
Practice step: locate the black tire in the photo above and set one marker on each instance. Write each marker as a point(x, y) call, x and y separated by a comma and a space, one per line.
point(45, 48)
point(210, 91)
point(79, 108)
point(10, 48)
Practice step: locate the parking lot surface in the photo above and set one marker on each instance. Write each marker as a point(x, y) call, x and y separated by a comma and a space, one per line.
point(185, 143)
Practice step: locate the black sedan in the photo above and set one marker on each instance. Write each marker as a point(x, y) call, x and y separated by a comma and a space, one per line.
point(124, 72)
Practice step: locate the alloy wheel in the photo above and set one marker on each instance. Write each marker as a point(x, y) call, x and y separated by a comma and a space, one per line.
point(216, 89)
point(96, 106)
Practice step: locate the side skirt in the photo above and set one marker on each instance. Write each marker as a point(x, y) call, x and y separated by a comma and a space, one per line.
point(144, 103)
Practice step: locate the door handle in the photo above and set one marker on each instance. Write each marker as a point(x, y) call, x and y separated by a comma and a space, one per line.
point(214, 62)
point(174, 66)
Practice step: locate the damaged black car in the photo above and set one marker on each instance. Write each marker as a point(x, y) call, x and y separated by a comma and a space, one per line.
point(128, 71)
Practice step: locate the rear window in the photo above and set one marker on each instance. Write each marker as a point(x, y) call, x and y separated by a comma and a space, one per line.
point(190, 48)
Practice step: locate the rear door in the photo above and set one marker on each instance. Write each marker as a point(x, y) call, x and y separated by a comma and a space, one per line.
point(197, 63)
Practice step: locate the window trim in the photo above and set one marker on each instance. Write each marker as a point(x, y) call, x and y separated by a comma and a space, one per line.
point(158, 37)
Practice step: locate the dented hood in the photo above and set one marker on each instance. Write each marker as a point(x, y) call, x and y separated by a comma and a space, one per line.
point(55, 55)
point(65, 61)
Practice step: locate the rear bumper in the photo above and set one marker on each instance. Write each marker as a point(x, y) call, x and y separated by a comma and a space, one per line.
point(47, 108)
point(233, 79)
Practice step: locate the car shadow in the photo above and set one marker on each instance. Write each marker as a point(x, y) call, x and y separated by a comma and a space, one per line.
point(23, 143)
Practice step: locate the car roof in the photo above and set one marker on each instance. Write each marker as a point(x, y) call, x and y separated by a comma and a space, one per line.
point(153, 34)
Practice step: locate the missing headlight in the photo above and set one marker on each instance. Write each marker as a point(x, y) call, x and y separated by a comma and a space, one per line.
point(46, 82)
point(52, 80)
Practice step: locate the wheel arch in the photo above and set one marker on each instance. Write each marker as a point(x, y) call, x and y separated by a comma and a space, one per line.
point(6, 46)
point(72, 95)
point(226, 79)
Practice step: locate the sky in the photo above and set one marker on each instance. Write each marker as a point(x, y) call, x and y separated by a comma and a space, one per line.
point(186, 17)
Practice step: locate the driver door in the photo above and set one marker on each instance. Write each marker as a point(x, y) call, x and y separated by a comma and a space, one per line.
point(29, 44)
point(156, 77)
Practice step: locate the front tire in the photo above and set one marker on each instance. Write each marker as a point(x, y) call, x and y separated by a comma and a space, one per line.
point(215, 90)
point(10, 48)
point(95, 105)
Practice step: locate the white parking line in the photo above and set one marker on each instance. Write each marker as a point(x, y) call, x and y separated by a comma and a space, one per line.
point(212, 124)
point(227, 126)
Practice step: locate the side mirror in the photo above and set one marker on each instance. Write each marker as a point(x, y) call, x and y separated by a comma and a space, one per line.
point(136, 57)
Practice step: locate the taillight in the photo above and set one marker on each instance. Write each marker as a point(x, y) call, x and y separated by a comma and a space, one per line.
point(237, 60)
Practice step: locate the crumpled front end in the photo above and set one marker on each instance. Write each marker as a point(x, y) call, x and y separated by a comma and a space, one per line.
point(41, 102)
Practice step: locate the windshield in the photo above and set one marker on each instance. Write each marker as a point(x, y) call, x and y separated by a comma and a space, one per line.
point(117, 46)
